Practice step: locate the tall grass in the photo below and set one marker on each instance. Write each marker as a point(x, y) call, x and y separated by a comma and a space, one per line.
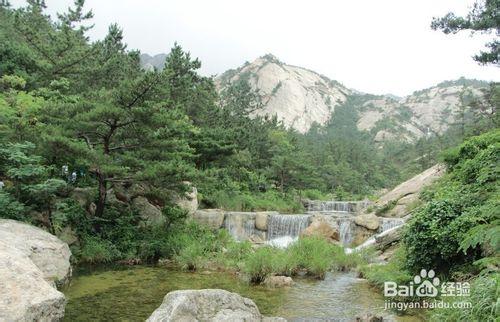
point(312, 255)
point(484, 297)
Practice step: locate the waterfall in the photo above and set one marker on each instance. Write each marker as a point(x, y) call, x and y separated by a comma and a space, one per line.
point(240, 225)
point(388, 223)
point(286, 225)
point(335, 206)
point(346, 230)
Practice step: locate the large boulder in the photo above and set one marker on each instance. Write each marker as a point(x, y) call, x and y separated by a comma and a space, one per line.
point(369, 221)
point(189, 201)
point(46, 251)
point(322, 228)
point(212, 218)
point(206, 305)
point(32, 261)
point(115, 198)
point(261, 219)
point(149, 213)
point(361, 234)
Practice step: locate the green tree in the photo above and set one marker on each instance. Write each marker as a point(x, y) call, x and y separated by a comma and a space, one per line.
point(484, 17)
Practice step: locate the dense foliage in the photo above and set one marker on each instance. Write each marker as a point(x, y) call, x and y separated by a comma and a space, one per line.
point(456, 231)
point(459, 222)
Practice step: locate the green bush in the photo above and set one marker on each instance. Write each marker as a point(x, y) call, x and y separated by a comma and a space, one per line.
point(458, 223)
point(234, 254)
point(315, 194)
point(313, 254)
point(95, 250)
point(262, 263)
point(191, 256)
point(194, 246)
point(10, 208)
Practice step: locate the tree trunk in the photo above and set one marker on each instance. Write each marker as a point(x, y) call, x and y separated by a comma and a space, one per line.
point(101, 201)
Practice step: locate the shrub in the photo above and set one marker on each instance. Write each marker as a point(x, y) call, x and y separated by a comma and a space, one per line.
point(234, 254)
point(313, 254)
point(244, 201)
point(315, 194)
point(262, 263)
point(96, 250)
point(10, 208)
point(457, 224)
point(192, 256)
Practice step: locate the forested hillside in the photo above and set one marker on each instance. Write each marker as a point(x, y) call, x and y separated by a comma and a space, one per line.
point(79, 115)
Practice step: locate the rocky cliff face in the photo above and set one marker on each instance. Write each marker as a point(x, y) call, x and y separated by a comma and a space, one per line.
point(297, 96)
point(426, 112)
point(300, 98)
point(149, 62)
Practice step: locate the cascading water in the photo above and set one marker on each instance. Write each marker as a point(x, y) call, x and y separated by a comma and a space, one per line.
point(286, 225)
point(335, 206)
point(346, 230)
point(240, 225)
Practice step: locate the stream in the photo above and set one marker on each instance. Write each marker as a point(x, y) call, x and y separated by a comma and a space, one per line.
point(133, 293)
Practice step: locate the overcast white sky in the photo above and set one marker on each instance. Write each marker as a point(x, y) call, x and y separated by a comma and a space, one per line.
point(383, 46)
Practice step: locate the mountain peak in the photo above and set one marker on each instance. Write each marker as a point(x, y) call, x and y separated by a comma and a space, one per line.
point(299, 98)
point(270, 58)
point(296, 96)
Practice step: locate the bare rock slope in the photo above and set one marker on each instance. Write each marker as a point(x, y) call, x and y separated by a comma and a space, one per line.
point(297, 96)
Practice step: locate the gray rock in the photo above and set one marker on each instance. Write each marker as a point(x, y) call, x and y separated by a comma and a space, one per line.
point(46, 251)
point(388, 237)
point(261, 219)
point(369, 221)
point(412, 186)
point(369, 318)
point(278, 281)
point(112, 199)
point(84, 196)
point(212, 218)
point(68, 235)
point(150, 214)
point(31, 262)
point(189, 201)
point(320, 227)
point(205, 305)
